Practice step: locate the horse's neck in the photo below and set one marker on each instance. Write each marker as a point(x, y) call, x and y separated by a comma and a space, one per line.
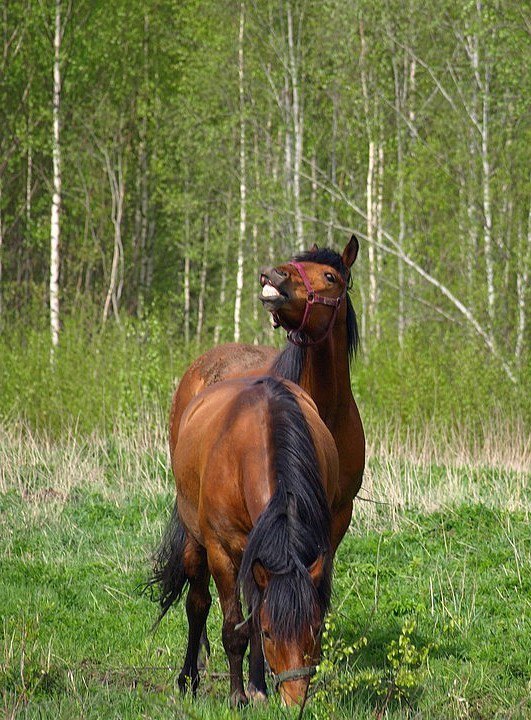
point(326, 377)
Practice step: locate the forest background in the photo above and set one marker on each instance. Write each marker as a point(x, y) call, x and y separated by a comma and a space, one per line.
point(154, 155)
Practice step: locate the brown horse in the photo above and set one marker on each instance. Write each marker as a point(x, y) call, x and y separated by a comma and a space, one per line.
point(257, 487)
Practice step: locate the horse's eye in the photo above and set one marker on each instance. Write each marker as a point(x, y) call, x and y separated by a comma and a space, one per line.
point(330, 277)
point(266, 634)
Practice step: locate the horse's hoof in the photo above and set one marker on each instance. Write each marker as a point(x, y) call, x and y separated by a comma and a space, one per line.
point(258, 697)
point(187, 684)
point(238, 699)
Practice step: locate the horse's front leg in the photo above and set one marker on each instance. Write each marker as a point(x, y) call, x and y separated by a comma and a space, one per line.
point(235, 633)
point(257, 688)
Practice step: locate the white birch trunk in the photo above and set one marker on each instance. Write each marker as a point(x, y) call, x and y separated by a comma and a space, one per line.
point(56, 196)
point(522, 282)
point(487, 210)
point(202, 282)
point(297, 120)
point(400, 102)
point(117, 187)
point(254, 295)
point(223, 285)
point(370, 231)
point(333, 170)
point(144, 184)
point(369, 187)
point(186, 291)
point(314, 184)
point(1, 252)
point(222, 297)
point(412, 86)
point(401, 238)
point(288, 141)
point(379, 229)
point(243, 186)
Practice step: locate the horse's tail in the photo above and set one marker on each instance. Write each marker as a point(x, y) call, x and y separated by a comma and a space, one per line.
point(294, 528)
point(169, 580)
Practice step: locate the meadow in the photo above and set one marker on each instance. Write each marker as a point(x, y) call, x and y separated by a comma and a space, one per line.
point(432, 586)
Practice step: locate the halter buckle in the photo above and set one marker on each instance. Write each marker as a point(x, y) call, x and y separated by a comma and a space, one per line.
point(310, 299)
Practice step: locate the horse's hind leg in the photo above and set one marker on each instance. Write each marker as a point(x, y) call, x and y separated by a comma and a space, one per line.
point(204, 649)
point(197, 606)
point(235, 633)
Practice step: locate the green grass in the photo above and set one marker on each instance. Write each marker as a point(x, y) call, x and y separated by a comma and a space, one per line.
point(78, 520)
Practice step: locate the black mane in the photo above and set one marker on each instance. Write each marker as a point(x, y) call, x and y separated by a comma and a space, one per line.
point(294, 529)
point(290, 362)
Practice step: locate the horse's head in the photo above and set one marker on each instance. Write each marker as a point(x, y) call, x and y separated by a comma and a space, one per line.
point(292, 648)
point(305, 295)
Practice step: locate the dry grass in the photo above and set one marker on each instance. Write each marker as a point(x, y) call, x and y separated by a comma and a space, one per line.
point(429, 470)
point(423, 471)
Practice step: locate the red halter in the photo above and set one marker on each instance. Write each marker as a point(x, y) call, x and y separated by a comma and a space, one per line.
point(311, 299)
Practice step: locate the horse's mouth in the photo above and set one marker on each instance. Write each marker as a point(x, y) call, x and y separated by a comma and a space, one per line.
point(271, 296)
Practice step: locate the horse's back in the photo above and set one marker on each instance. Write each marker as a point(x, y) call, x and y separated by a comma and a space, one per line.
point(214, 366)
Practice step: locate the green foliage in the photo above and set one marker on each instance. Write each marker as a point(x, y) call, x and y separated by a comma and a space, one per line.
point(97, 378)
point(435, 378)
point(404, 673)
point(119, 372)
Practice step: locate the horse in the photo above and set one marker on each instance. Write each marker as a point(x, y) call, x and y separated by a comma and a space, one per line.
point(257, 485)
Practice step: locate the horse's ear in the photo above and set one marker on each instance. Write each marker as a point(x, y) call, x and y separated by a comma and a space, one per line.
point(316, 570)
point(261, 575)
point(350, 253)
point(313, 248)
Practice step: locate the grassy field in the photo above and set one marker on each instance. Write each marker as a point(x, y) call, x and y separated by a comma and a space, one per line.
point(432, 586)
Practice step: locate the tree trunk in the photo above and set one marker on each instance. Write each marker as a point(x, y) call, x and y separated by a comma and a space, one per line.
point(202, 281)
point(297, 120)
point(333, 169)
point(243, 186)
point(56, 196)
point(117, 187)
point(370, 232)
point(223, 285)
point(254, 294)
point(487, 211)
point(522, 282)
point(379, 228)
point(145, 250)
point(369, 187)
point(400, 103)
point(1, 253)
point(314, 184)
point(186, 282)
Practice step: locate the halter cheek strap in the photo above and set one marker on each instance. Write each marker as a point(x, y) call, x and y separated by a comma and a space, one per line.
point(311, 299)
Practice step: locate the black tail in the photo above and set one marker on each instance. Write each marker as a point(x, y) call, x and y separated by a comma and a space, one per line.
point(294, 528)
point(169, 580)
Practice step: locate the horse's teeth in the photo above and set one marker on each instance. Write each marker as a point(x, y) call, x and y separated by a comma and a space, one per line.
point(269, 291)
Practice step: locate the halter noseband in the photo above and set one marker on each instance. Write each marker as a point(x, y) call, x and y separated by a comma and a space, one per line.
point(295, 674)
point(311, 299)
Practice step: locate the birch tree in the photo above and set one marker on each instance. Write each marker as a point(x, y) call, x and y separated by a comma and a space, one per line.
point(55, 227)
point(243, 181)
